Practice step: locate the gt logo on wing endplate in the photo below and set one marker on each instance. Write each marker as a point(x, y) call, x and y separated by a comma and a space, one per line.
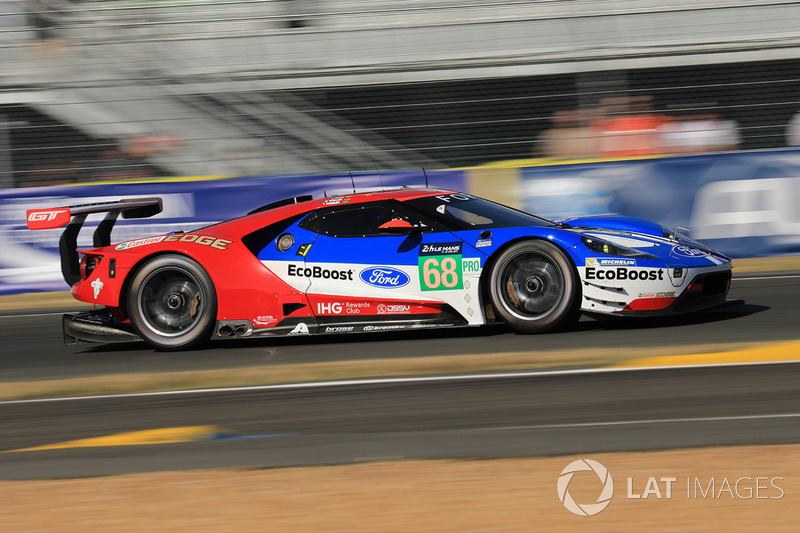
point(48, 218)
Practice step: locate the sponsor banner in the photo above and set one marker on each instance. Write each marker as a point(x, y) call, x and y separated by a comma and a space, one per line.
point(327, 305)
point(742, 204)
point(30, 260)
point(317, 271)
point(623, 273)
point(604, 262)
point(444, 248)
point(384, 277)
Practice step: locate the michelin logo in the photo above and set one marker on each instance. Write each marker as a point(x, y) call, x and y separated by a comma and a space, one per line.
point(604, 262)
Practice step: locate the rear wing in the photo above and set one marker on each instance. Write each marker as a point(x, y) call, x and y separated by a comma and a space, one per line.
point(74, 216)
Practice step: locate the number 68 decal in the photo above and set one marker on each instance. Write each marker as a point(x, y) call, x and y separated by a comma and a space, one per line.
point(441, 273)
point(445, 272)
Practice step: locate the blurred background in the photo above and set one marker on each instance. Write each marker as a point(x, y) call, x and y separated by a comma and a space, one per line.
point(684, 112)
point(140, 88)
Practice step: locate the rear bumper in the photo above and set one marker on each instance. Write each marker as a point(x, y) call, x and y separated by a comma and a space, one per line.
point(96, 326)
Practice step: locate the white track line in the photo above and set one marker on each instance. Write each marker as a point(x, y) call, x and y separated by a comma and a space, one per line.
point(759, 278)
point(642, 422)
point(391, 381)
point(33, 315)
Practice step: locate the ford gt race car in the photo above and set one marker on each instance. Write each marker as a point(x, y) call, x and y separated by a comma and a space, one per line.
point(369, 262)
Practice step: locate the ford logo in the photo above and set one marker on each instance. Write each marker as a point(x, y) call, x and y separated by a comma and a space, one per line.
point(384, 277)
point(687, 251)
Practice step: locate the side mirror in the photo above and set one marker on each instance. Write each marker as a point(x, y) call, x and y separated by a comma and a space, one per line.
point(396, 227)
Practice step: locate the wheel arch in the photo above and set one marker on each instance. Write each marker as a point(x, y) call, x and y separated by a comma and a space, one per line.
point(126, 285)
point(492, 259)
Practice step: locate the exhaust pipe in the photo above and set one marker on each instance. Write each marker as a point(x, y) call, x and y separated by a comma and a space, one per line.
point(234, 328)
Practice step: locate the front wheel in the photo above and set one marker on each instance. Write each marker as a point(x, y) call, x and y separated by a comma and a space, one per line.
point(172, 302)
point(533, 287)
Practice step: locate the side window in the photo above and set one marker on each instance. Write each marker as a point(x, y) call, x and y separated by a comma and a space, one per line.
point(356, 221)
point(359, 220)
point(311, 222)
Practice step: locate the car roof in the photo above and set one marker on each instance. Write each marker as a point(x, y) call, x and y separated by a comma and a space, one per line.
point(243, 225)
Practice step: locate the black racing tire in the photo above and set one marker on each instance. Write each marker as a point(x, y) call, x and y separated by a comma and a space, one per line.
point(172, 302)
point(534, 288)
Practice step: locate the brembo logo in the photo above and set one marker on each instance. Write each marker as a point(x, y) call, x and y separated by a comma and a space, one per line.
point(586, 509)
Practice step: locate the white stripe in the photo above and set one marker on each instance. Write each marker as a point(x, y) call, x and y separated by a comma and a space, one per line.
point(33, 315)
point(640, 422)
point(393, 381)
point(757, 278)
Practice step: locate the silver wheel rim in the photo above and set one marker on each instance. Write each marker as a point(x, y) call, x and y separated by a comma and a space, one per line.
point(531, 285)
point(170, 302)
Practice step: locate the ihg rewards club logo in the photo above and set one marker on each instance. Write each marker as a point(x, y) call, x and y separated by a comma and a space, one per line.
point(660, 488)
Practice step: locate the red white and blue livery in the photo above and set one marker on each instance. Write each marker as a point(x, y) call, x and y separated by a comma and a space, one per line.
point(369, 262)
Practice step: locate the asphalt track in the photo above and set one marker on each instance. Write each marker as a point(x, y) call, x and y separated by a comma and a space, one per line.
point(553, 413)
point(463, 418)
point(33, 349)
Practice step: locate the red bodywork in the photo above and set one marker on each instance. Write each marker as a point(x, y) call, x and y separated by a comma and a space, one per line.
point(246, 289)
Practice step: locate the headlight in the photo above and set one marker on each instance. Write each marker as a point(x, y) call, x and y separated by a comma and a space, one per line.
point(601, 246)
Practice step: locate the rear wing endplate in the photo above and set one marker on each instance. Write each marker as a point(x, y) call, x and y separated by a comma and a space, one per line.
point(74, 216)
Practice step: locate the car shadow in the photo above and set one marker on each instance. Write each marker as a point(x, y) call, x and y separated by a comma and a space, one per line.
point(594, 323)
point(605, 322)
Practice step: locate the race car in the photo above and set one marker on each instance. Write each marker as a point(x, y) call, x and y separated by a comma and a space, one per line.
point(402, 259)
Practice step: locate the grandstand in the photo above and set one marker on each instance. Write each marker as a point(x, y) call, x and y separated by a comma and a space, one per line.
point(94, 89)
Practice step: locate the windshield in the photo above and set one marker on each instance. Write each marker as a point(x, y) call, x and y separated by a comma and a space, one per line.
point(462, 211)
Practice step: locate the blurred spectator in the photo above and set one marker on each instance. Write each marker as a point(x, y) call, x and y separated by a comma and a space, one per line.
point(571, 137)
point(793, 131)
point(629, 128)
point(152, 145)
point(698, 133)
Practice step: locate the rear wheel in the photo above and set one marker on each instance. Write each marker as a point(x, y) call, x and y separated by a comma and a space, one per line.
point(172, 302)
point(533, 287)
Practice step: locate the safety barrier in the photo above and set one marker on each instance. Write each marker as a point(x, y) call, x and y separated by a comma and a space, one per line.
point(741, 203)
